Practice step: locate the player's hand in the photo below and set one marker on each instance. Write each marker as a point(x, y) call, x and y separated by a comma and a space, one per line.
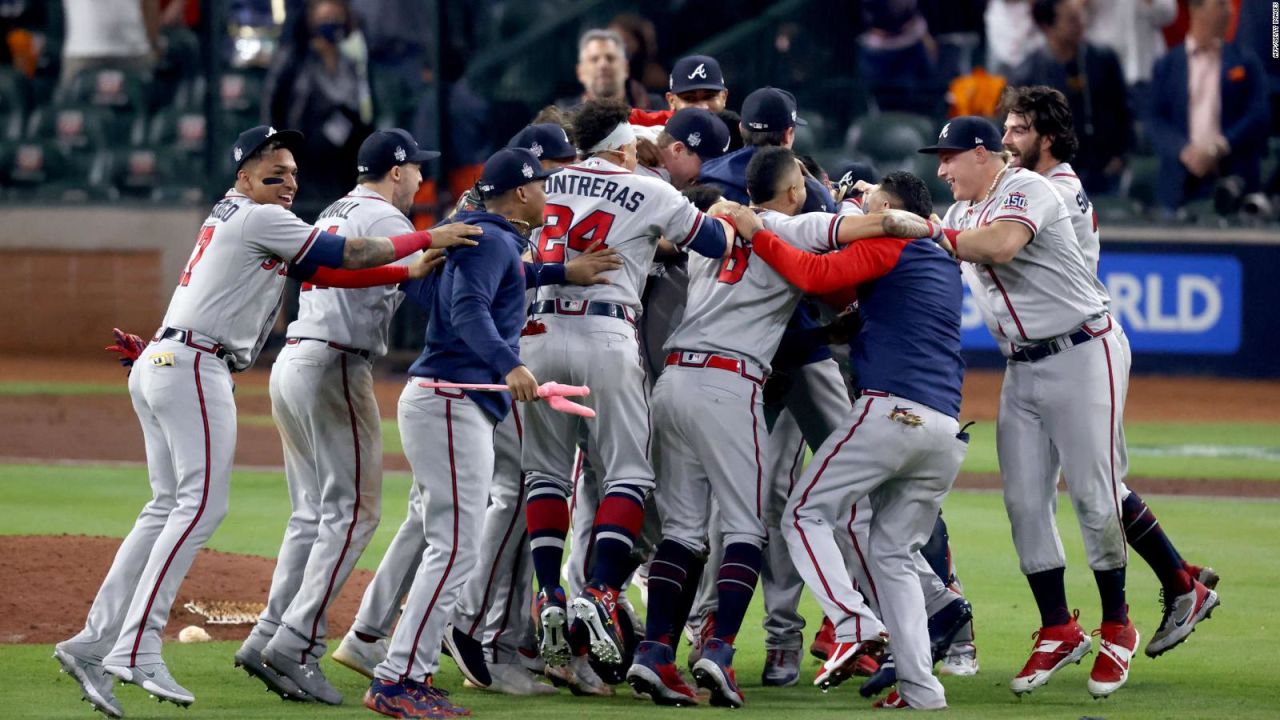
point(454, 234)
point(747, 222)
point(589, 267)
point(723, 207)
point(128, 346)
point(523, 385)
point(426, 263)
point(647, 153)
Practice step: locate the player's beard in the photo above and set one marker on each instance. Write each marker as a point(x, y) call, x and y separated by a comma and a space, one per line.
point(1029, 159)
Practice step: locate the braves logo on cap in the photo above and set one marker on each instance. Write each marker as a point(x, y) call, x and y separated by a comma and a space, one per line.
point(846, 179)
point(526, 171)
point(400, 154)
point(1015, 201)
point(239, 154)
point(694, 140)
point(945, 129)
point(536, 148)
point(270, 131)
point(699, 72)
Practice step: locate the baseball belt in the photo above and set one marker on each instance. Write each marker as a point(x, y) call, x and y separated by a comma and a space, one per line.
point(560, 306)
point(197, 341)
point(336, 346)
point(686, 358)
point(1053, 346)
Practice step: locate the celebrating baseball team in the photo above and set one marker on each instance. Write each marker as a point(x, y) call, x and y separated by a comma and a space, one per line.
point(630, 321)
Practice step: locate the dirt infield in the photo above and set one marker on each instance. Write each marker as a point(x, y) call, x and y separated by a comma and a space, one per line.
point(61, 573)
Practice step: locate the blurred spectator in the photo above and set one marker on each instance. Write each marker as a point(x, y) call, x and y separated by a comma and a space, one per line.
point(641, 42)
point(602, 70)
point(315, 88)
point(896, 56)
point(400, 40)
point(1093, 81)
point(1133, 30)
point(1011, 35)
point(115, 34)
point(956, 26)
point(1209, 110)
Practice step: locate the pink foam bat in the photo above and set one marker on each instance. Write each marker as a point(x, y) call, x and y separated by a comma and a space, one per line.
point(554, 393)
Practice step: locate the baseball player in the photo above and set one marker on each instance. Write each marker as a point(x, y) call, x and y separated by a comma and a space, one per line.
point(472, 337)
point(1062, 401)
point(217, 320)
point(324, 406)
point(901, 445)
point(587, 336)
point(1039, 135)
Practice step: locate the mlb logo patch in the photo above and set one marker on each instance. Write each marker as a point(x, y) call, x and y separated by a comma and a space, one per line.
point(1015, 201)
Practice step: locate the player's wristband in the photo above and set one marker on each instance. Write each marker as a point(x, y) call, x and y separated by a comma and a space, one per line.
point(409, 243)
point(369, 277)
point(951, 234)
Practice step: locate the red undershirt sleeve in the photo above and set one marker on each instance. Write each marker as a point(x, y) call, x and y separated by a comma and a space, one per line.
point(858, 263)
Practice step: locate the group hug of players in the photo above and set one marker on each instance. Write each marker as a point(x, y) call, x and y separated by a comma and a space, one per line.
point(681, 281)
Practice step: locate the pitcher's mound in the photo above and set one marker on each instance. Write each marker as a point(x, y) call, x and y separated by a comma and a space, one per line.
point(52, 580)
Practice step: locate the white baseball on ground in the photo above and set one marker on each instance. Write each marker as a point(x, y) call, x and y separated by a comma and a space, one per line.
point(193, 634)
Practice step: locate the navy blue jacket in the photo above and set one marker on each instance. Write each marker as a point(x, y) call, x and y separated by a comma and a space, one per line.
point(1244, 117)
point(473, 329)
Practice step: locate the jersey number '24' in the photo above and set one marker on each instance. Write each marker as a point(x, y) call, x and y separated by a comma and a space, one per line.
point(559, 230)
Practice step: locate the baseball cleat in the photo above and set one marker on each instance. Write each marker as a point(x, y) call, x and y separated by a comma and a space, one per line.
point(844, 657)
point(439, 701)
point(578, 676)
point(515, 679)
point(156, 679)
point(1205, 574)
point(883, 679)
point(249, 658)
point(553, 627)
point(781, 668)
point(714, 671)
point(399, 700)
point(893, 702)
point(1181, 615)
point(468, 653)
point(356, 654)
point(961, 660)
point(1116, 645)
point(597, 607)
point(824, 641)
point(307, 676)
point(866, 666)
point(654, 673)
point(1056, 647)
point(705, 631)
point(95, 683)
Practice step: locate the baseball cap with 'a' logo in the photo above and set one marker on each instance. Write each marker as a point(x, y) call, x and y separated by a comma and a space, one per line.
point(695, 72)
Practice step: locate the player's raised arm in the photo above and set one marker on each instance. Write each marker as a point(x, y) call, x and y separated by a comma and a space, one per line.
point(365, 252)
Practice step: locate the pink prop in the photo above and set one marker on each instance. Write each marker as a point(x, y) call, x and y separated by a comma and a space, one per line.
point(554, 393)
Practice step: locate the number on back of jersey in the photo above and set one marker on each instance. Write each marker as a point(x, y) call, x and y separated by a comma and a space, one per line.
point(202, 242)
point(559, 231)
point(735, 265)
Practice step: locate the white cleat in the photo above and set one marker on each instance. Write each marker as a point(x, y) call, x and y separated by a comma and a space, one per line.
point(514, 679)
point(95, 683)
point(360, 656)
point(156, 679)
point(961, 660)
point(1181, 615)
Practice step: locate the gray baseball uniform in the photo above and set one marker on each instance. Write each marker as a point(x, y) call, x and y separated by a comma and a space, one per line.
point(225, 302)
point(323, 403)
point(1067, 408)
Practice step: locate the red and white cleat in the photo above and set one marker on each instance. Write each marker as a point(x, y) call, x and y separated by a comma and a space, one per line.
point(1056, 647)
point(1116, 645)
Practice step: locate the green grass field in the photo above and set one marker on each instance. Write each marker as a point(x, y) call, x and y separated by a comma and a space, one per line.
point(1225, 670)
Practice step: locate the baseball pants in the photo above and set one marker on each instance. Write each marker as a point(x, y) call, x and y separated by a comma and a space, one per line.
point(323, 403)
point(449, 442)
point(183, 400)
point(1066, 413)
point(904, 456)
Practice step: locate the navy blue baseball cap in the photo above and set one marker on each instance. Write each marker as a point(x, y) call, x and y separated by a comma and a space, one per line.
point(966, 133)
point(510, 168)
point(855, 171)
point(255, 137)
point(386, 149)
point(545, 140)
point(695, 72)
point(770, 109)
point(701, 131)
